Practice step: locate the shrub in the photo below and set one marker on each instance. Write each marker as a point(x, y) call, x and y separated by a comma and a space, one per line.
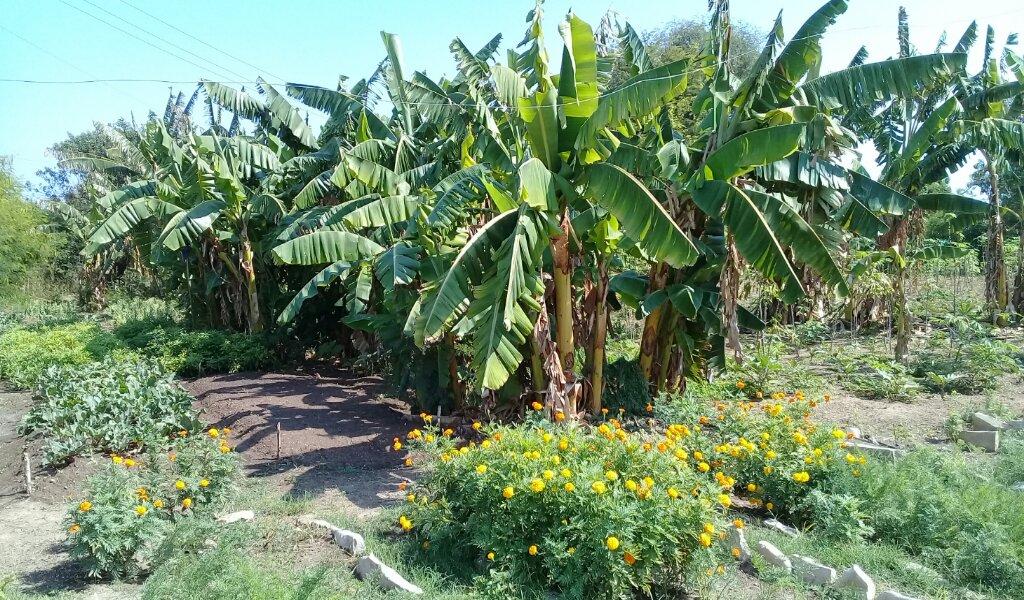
point(194, 352)
point(106, 406)
point(625, 387)
point(26, 353)
point(131, 505)
point(587, 511)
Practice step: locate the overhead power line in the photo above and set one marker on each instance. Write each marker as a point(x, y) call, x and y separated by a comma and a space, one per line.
point(143, 40)
point(208, 45)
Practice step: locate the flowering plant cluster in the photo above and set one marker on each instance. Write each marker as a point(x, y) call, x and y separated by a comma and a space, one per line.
point(586, 510)
point(129, 506)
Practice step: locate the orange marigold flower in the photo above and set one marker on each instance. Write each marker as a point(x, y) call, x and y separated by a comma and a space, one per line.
point(629, 558)
point(536, 405)
point(74, 529)
point(533, 550)
point(186, 503)
point(85, 506)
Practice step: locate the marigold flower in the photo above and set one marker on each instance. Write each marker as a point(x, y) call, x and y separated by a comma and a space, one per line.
point(173, 457)
point(408, 462)
point(533, 550)
point(549, 475)
point(476, 426)
point(612, 543)
point(673, 493)
point(751, 487)
point(158, 503)
point(183, 433)
point(724, 500)
point(179, 484)
point(537, 485)
point(141, 510)
point(204, 483)
point(508, 492)
point(736, 552)
point(705, 540)
point(74, 529)
point(186, 503)
point(213, 432)
point(569, 487)
point(770, 506)
point(629, 558)
point(703, 467)
point(599, 487)
point(397, 446)
point(129, 462)
point(559, 416)
point(85, 506)
point(631, 485)
point(536, 406)
point(490, 556)
point(649, 482)
point(740, 385)
point(611, 475)
point(117, 459)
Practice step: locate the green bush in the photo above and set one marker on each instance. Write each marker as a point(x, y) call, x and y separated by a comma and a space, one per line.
point(106, 406)
point(25, 354)
point(625, 387)
point(130, 506)
point(194, 352)
point(586, 511)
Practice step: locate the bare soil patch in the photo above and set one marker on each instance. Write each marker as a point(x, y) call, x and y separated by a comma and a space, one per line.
point(336, 430)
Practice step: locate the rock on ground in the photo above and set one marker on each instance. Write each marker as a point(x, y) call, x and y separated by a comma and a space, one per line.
point(371, 567)
point(856, 579)
point(781, 527)
point(982, 422)
point(986, 440)
point(242, 515)
point(812, 571)
point(349, 541)
point(774, 556)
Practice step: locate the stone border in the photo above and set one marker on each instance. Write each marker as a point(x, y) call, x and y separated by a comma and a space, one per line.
point(369, 567)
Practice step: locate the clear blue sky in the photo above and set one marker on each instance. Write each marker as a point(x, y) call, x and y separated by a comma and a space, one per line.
point(315, 42)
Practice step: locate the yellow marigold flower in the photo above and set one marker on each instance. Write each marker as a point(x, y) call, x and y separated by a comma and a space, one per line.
point(559, 416)
point(129, 462)
point(724, 500)
point(204, 483)
point(223, 449)
point(537, 406)
point(770, 506)
point(225, 431)
point(851, 458)
point(649, 482)
point(490, 556)
point(532, 550)
point(214, 433)
point(631, 485)
point(703, 467)
point(187, 502)
point(117, 459)
point(508, 492)
point(85, 506)
point(767, 470)
point(604, 411)
point(547, 438)
point(481, 469)
point(817, 452)
point(862, 460)
point(537, 485)
point(549, 475)
point(680, 454)
point(612, 543)
point(705, 540)
point(571, 549)
point(141, 510)
point(556, 459)
point(604, 429)
point(672, 493)
point(808, 460)
point(183, 433)
point(447, 432)
point(476, 426)
point(569, 487)
point(411, 497)
point(408, 462)
point(464, 450)
point(611, 475)
point(738, 523)
point(751, 487)
point(599, 487)
point(158, 503)
point(736, 552)
point(709, 529)
point(74, 529)
point(698, 455)
point(770, 454)
point(759, 395)
point(740, 385)
point(179, 484)
point(856, 473)
point(397, 446)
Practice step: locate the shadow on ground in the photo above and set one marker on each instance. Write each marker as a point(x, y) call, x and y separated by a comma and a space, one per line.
point(336, 431)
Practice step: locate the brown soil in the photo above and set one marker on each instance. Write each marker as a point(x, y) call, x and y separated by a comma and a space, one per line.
point(336, 429)
point(921, 420)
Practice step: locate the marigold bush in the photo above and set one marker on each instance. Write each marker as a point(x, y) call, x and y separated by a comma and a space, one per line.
point(130, 506)
point(587, 511)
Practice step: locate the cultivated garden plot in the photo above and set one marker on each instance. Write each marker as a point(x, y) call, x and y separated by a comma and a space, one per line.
point(633, 320)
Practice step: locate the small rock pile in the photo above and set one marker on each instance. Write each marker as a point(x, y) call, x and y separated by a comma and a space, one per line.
point(984, 431)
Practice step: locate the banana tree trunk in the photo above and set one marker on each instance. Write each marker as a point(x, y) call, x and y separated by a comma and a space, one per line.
point(598, 337)
point(665, 345)
point(563, 296)
point(996, 293)
point(249, 273)
point(455, 386)
point(901, 309)
point(649, 340)
point(1018, 281)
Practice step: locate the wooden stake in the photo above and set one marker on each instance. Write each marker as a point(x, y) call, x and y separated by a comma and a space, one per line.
point(28, 474)
point(278, 441)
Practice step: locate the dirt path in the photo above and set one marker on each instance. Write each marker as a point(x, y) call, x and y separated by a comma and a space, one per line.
point(335, 432)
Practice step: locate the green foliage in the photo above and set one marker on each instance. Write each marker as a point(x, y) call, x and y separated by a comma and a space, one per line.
point(564, 507)
point(934, 505)
point(25, 354)
point(108, 406)
point(194, 352)
point(625, 387)
point(24, 247)
point(131, 505)
point(767, 372)
point(838, 517)
point(874, 376)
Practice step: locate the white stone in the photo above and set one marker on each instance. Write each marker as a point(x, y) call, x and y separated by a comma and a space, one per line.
point(893, 595)
point(308, 519)
point(1018, 487)
point(370, 567)
point(812, 571)
point(854, 430)
point(1017, 424)
point(781, 527)
point(737, 539)
point(242, 515)
point(986, 440)
point(349, 541)
point(982, 422)
point(774, 556)
point(855, 578)
point(877, 449)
